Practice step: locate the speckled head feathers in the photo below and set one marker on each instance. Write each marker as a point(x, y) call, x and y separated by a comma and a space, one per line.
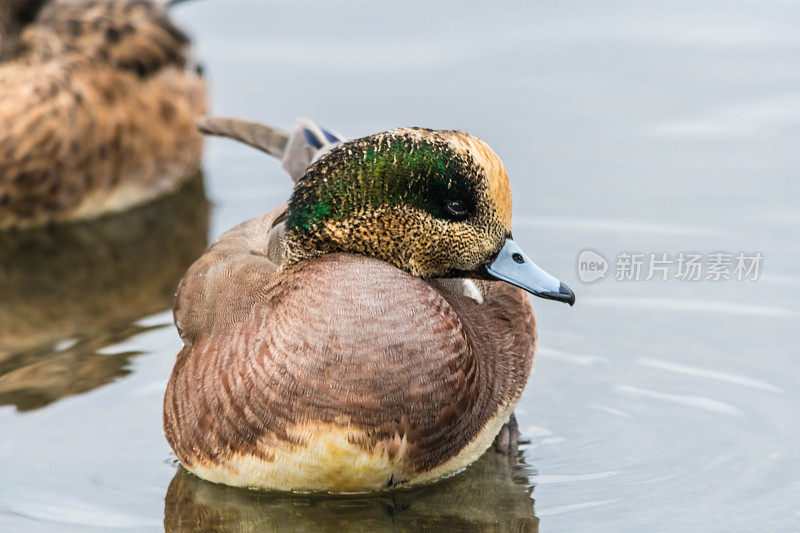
point(433, 203)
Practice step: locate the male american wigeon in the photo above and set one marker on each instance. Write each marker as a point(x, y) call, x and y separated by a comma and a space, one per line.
point(375, 332)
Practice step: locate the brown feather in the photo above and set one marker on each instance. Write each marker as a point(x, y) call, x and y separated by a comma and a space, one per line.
point(268, 139)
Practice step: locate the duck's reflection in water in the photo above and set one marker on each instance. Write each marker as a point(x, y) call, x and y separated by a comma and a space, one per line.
point(68, 291)
point(494, 494)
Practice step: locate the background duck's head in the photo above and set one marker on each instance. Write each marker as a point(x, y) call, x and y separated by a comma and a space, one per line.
point(432, 203)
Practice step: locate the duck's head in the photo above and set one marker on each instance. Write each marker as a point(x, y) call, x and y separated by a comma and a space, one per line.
point(432, 203)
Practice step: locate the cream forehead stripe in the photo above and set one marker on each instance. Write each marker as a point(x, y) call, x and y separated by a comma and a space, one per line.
point(496, 174)
point(483, 155)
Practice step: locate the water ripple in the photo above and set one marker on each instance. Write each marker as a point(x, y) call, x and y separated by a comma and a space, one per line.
point(566, 357)
point(47, 507)
point(542, 479)
point(561, 509)
point(698, 402)
point(685, 305)
point(707, 373)
point(595, 225)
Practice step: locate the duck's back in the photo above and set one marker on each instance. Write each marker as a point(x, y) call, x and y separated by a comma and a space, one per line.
point(97, 108)
point(339, 373)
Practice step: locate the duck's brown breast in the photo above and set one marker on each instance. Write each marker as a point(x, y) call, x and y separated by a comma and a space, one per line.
point(349, 374)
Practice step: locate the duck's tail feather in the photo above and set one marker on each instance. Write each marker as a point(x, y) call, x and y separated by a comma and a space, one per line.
point(266, 138)
point(170, 3)
point(307, 143)
point(297, 150)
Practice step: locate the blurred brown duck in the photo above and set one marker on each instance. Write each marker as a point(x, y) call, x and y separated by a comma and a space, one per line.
point(97, 104)
point(358, 338)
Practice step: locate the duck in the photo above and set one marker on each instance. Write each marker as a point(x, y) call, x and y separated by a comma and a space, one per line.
point(372, 333)
point(98, 100)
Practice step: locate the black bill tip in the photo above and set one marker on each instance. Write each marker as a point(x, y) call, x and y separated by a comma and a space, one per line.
point(564, 294)
point(569, 296)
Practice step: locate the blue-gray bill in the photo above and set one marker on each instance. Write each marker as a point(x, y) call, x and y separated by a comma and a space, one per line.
point(513, 266)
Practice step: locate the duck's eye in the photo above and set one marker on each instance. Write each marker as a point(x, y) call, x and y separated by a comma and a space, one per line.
point(456, 209)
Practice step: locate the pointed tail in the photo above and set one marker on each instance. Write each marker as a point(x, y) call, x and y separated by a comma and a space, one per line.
point(297, 150)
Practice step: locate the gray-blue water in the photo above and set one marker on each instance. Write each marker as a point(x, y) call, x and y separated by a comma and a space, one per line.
point(638, 127)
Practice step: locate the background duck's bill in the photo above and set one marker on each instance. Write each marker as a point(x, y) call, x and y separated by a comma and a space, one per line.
point(513, 266)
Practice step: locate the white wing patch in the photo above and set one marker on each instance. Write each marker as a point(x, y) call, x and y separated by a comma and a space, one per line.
point(461, 286)
point(471, 290)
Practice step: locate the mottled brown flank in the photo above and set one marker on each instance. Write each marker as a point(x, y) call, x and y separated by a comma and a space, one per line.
point(97, 100)
point(404, 235)
point(338, 339)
